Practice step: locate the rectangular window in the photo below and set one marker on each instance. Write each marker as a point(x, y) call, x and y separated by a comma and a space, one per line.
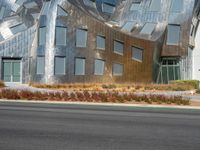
point(148, 28)
point(135, 6)
point(137, 53)
point(42, 36)
point(40, 65)
point(79, 66)
point(173, 34)
point(81, 38)
point(2, 11)
point(128, 26)
point(90, 3)
point(118, 69)
point(60, 65)
point(176, 6)
point(155, 5)
point(99, 67)
point(18, 28)
point(100, 42)
point(61, 36)
point(118, 47)
point(108, 8)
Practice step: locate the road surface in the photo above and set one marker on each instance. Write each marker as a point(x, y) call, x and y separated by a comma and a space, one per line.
point(75, 127)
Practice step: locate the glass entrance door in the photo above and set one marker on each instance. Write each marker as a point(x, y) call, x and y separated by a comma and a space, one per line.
point(12, 70)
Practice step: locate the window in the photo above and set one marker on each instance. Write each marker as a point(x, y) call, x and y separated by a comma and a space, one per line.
point(173, 34)
point(18, 28)
point(155, 5)
point(30, 5)
point(135, 6)
point(61, 12)
point(2, 11)
point(107, 8)
point(79, 66)
point(40, 65)
point(137, 54)
point(61, 36)
point(100, 42)
point(176, 6)
point(42, 35)
point(118, 69)
point(99, 67)
point(81, 38)
point(128, 26)
point(59, 65)
point(90, 3)
point(118, 47)
point(148, 28)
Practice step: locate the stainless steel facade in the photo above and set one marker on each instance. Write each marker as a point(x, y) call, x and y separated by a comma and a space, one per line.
point(146, 25)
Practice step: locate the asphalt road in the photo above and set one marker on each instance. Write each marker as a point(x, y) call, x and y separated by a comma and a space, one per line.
point(75, 127)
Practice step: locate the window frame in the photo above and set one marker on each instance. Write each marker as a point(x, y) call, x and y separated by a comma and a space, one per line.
point(98, 74)
point(116, 63)
point(84, 73)
point(132, 53)
point(86, 40)
point(116, 52)
point(61, 27)
point(64, 57)
point(104, 38)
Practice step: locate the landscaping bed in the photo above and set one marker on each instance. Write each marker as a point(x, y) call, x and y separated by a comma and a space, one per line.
point(87, 96)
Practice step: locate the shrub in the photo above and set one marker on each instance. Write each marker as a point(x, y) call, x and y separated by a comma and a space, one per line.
point(2, 84)
point(193, 84)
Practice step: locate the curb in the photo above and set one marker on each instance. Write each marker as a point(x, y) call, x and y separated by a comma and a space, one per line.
point(103, 104)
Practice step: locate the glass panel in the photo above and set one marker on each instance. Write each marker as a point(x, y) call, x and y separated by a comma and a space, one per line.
point(135, 6)
point(2, 10)
point(90, 3)
point(164, 75)
point(155, 5)
point(128, 26)
point(16, 79)
point(42, 36)
point(100, 41)
point(16, 69)
point(7, 71)
point(99, 67)
point(61, 36)
point(137, 53)
point(61, 12)
point(118, 47)
point(148, 28)
point(30, 5)
point(173, 35)
point(177, 73)
point(107, 8)
point(40, 65)
point(59, 65)
point(117, 69)
point(18, 28)
point(171, 72)
point(81, 38)
point(176, 6)
point(79, 66)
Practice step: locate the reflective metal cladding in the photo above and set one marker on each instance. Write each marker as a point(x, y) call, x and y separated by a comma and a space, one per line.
point(58, 41)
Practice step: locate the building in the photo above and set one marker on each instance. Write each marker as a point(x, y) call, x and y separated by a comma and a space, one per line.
point(58, 41)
